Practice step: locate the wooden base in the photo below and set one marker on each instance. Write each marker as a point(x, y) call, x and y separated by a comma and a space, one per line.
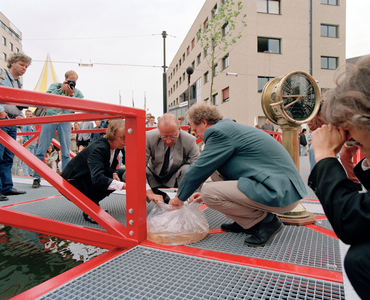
point(311, 219)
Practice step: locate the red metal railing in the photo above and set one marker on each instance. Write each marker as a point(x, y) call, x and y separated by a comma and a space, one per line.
point(116, 234)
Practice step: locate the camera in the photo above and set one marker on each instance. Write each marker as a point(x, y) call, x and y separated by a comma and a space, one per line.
point(71, 83)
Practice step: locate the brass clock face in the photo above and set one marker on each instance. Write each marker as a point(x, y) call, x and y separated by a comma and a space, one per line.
point(294, 97)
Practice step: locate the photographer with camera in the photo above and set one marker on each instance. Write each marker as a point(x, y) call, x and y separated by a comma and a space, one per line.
point(68, 89)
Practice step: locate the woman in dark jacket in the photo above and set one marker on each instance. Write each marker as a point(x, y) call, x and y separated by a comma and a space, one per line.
point(347, 110)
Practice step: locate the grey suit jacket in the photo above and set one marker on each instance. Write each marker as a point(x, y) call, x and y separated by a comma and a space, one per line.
point(185, 152)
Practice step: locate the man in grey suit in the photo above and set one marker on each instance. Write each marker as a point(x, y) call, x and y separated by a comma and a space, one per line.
point(255, 177)
point(169, 153)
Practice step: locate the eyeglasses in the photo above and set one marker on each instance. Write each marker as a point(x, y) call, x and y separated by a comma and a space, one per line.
point(171, 137)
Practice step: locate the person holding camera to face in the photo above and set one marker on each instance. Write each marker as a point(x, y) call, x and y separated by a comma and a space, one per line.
point(68, 89)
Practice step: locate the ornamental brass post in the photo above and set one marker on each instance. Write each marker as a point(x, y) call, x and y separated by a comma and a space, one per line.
point(290, 141)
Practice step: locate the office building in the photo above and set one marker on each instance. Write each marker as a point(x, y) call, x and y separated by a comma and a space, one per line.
point(280, 37)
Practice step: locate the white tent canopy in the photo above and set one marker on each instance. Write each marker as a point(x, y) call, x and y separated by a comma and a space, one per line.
point(47, 77)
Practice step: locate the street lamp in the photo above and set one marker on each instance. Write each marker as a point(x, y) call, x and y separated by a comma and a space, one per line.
point(189, 71)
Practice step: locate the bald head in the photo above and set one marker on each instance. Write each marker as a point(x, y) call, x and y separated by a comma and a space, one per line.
point(169, 129)
point(168, 120)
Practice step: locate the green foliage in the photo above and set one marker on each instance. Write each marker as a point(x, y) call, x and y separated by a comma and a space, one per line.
point(220, 34)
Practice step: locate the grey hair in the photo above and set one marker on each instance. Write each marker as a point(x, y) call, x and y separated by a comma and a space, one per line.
point(349, 102)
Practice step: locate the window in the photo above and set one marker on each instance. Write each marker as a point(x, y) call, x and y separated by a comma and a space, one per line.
point(262, 80)
point(215, 70)
point(329, 2)
point(4, 56)
point(205, 24)
point(268, 6)
point(17, 50)
point(198, 35)
point(193, 43)
point(177, 84)
point(329, 30)
point(206, 100)
point(180, 62)
point(4, 41)
point(215, 99)
point(206, 77)
point(11, 46)
point(177, 67)
point(330, 63)
point(214, 10)
point(225, 29)
point(206, 51)
point(199, 58)
point(183, 76)
point(169, 79)
point(225, 95)
point(268, 45)
point(180, 80)
point(188, 51)
point(193, 65)
point(183, 57)
point(225, 61)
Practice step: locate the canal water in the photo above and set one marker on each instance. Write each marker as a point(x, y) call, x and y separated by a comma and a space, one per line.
point(28, 259)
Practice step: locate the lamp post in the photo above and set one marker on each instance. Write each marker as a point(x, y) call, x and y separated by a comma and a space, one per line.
point(189, 71)
point(164, 35)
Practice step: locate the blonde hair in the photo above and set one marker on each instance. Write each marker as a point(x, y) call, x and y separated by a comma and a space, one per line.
point(113, 126)
point(70, 73)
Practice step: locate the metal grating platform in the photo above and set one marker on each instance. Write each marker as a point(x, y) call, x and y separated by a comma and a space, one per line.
point(293, 244)
point(145, 273)
point(63, 210)
point(324, 224)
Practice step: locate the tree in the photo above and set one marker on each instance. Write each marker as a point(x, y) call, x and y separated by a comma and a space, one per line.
point(218, 34)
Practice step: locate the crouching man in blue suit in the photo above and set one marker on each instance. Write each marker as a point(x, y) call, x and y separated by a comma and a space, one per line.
point(253, 175)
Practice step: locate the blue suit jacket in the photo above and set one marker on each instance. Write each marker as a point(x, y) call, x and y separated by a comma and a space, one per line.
point(263, 168)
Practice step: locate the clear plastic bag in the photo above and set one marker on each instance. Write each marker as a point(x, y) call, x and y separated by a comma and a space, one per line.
point(167, 225)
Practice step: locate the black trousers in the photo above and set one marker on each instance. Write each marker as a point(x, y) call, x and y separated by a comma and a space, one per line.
point(357, 265)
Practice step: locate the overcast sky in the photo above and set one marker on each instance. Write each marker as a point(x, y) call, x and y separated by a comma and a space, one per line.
point(123, 40)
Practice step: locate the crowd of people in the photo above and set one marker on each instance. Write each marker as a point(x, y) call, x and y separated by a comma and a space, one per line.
point(249, 186)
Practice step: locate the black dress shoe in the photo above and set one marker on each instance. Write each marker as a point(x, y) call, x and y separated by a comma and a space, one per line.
point(233, 227)
point(14, 192)
point(88, 218)
point(3, 198)
point(263, 232)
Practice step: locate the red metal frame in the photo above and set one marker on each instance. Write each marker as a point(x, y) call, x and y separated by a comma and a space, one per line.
point(119, 235)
